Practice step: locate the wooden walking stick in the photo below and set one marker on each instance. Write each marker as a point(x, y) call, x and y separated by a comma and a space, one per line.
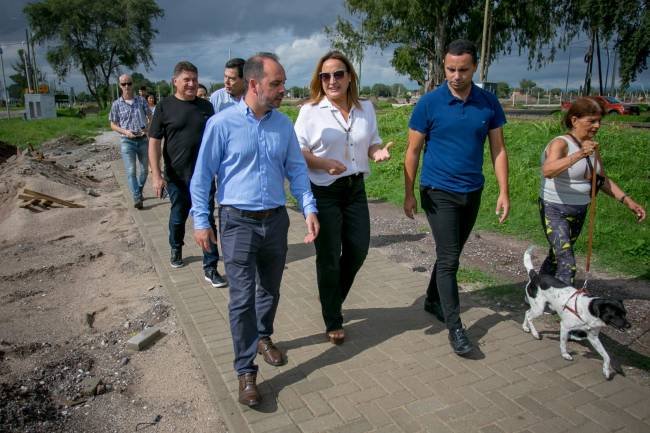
point(592, 215)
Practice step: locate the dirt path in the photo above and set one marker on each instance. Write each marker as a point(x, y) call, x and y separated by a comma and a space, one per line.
point(75, 284)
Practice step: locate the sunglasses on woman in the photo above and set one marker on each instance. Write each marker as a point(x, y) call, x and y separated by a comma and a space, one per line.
point(338, 75)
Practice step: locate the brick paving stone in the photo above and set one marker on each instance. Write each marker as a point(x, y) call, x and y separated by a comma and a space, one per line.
point(455, 411)
point(376, 416)
point(393, 400)
point(633, 425)
point(492, 428)
point(518, 422)
point(317, 404)
point(313, 385)
point(290, 399)
point(356, 426)
point(344, 408)
point(321, 423)
point(396, 372)
point(641, 410)
point(301, 415)
point(607, 388)
point(407, 423)
point(271, 422)
point(596, 413)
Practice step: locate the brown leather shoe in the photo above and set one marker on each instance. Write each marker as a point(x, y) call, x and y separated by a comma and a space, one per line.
point(272, 354)
point(248, 394)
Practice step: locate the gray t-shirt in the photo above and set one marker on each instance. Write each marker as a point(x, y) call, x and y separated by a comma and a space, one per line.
point(573, 185)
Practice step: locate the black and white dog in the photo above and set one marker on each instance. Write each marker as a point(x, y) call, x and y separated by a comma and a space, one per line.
point(579, 313)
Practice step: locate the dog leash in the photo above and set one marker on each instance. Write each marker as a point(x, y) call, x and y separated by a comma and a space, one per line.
point(592, 217)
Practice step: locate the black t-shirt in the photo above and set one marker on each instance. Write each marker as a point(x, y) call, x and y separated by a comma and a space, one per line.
point(180, 124)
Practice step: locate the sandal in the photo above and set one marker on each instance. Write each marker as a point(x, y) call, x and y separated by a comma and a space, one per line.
point(336, 337)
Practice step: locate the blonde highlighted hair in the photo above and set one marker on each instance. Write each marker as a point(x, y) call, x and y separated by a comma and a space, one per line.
point(316, 87)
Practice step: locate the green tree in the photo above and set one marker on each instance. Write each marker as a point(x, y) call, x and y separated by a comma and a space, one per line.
point(366, 90)
point(140, 80)
point(162, 88)
point(527, 85)
point(503, 90)
point(398, 90)
point(420, 30)
point(381, 90)
point(215, 86)
point(19, 77)
point(96, 37)
point(625, 23)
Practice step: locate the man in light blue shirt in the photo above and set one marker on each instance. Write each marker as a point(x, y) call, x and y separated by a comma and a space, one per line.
point(234, 86)
point(251, 148)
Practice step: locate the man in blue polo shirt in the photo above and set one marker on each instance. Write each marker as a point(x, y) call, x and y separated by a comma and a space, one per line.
point(251, 148)
point(454, 120)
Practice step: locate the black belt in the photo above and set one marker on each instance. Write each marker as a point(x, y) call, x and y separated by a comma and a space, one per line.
point(351, 178)
point(256, 214)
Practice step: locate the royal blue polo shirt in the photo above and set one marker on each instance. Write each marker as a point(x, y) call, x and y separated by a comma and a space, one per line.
point(455, 133)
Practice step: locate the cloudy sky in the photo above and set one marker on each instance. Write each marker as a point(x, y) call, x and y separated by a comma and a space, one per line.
point(206, 31)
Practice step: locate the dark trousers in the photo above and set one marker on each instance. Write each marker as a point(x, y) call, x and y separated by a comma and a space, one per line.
point(181, 203)
point(342, 243)
point(254, 254)
point(562, 224)
point(451, 217)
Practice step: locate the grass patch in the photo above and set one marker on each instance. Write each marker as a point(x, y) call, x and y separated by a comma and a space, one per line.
point(620, 244)
point(22, 133)
point(494, 288)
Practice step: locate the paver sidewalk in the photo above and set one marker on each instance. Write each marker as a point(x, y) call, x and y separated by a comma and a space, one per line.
point(395, 372)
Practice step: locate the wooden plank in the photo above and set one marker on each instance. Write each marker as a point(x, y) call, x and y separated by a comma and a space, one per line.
point(52, 198)
point(30, 203)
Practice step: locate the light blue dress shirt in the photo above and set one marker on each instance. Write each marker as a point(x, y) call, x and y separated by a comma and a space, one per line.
point(250, 158)
point(221, 100)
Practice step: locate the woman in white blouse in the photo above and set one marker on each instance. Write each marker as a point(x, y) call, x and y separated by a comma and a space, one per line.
point(338, 135)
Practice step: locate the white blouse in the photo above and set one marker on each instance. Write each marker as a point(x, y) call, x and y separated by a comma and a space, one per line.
point(322, 130)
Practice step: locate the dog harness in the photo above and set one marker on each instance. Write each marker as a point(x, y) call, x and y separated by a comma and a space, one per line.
point(575, 295)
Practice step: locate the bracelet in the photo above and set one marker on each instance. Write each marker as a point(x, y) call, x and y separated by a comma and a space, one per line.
point(622, 199)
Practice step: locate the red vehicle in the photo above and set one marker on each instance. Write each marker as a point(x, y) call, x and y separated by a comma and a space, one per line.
point(612, 106)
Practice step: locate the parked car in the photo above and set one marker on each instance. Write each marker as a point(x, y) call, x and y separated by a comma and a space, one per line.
point(612, 106)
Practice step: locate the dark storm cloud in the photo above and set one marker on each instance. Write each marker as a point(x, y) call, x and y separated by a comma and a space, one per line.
point(185, 20)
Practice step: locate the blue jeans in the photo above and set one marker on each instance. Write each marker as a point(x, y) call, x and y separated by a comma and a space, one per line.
point(132, 149)
point(254, 253)
point(451, 216)
point(181, 203)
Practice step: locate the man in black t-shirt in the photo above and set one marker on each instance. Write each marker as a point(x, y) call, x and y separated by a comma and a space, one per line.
point(180, 120)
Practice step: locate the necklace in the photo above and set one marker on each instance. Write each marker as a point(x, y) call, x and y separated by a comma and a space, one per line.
point(348, 139)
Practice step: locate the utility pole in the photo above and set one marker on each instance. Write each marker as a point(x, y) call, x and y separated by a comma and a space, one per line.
point(4, 83)
point(485, 41)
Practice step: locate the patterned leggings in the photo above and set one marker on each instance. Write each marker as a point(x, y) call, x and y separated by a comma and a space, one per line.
point(562, 224)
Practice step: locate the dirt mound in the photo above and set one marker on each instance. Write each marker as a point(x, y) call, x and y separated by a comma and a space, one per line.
point(75, 285)
point(6, 151)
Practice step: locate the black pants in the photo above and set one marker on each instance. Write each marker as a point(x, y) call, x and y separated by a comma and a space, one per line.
point(342, 244)
point(451, 217)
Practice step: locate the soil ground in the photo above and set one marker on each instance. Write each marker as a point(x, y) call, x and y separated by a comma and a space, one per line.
point(76, 284)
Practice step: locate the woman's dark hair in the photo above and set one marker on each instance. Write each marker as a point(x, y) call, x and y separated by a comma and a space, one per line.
point(316, 87)
point(581, 107)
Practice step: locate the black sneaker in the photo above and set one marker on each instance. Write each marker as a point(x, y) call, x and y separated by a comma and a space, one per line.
point(177, 258)
point(138, 204)
point(459, 341)
point(435, 309)
point(213, 277)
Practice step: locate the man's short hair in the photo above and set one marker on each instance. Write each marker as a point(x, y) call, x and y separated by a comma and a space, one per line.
point(462, 46)
point(144, 89)
point(238, 64)
point(184, 66)
point(254, 66)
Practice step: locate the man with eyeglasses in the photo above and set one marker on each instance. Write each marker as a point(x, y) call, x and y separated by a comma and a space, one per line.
point(129, 117)
point(234, 86)
point(180, 119)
